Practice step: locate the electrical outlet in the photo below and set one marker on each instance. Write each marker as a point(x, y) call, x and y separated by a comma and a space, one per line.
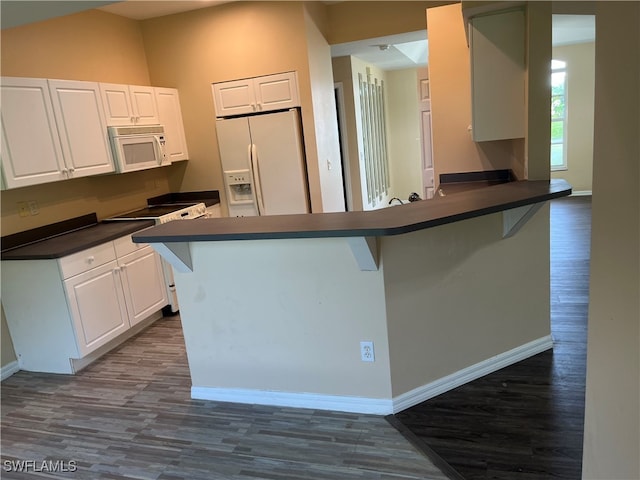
point(366, 352)
point(33, 207)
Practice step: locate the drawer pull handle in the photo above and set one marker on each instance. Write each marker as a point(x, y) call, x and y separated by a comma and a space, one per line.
point(91, 259)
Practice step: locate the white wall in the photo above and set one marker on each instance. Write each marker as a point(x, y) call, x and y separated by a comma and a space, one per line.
point(612, 413)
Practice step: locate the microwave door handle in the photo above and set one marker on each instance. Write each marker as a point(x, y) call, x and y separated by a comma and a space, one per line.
point(159, 149)
point(255, 168)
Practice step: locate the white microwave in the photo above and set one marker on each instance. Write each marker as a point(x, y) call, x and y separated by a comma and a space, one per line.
point(138, 147)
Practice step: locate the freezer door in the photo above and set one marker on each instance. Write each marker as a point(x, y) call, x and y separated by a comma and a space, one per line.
point(234, 141)
point(279, 158)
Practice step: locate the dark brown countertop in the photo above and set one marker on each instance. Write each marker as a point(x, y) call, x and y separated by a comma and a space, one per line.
point(208, 197)
point(85, 236)
point(388, 221)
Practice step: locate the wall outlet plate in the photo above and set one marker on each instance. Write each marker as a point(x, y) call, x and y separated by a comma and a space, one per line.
point(367, 353)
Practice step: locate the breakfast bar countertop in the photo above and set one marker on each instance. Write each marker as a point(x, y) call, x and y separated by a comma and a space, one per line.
point(384, 222)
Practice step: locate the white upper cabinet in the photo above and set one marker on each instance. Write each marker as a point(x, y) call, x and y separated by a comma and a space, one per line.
point(258, 94)
point(497, 47)
point(83, 135)
point(276, 92)
point(52, 130)
point(31, 151)
point(170, 115)
point(129, 104)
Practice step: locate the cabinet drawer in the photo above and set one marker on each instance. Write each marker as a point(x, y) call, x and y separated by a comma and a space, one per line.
point(125, 246)
point(87, 259)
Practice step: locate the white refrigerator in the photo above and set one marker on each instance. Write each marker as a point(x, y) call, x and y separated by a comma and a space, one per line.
point(263, 164)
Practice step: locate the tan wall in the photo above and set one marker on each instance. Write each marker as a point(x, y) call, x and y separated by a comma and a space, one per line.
point(450, 84)
point(350, 21)
point(192, 50)
point(298, 334)
point(580, 60)
point(403, 135)
point(7, 353)
point(612, 413)
point(450, 308)
point(538, 93)
point(92, 45)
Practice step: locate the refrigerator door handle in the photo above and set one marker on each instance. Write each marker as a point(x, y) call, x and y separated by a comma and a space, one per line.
point(255, 169)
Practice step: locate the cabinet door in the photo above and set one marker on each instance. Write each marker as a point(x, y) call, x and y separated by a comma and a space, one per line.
point(31, 151)
point(80, 118)
point(144, 105)
point(276, 92)
point(170, 115)
point(497, 44)
point(117, 104)
point(97, 305)
point(234, 98)
point(143, 284)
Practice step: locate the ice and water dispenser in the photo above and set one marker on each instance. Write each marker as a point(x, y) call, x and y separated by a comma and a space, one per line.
point(240, 193)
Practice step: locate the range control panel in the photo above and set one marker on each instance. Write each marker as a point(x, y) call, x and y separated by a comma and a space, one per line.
point(188, 213)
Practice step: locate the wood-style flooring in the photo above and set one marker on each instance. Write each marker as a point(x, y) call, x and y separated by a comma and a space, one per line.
point(524, 422)
point(130, 416)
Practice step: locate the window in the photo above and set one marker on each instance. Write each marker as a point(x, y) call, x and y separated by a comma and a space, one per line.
point(558, 115)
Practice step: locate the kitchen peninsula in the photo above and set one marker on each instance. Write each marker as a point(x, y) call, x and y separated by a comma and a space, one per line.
point(274, 309)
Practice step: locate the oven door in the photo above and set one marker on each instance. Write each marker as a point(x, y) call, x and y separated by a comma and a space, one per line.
point(139, 152)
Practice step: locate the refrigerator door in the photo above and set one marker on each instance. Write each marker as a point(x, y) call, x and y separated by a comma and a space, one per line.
point(234, 141)
point(279, 166)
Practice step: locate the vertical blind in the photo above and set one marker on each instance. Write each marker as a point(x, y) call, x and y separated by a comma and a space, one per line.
point(374, 137)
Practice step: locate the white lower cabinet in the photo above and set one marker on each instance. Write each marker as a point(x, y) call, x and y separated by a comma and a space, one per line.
point(97, 306)
point(84, 301)
point(143, 284)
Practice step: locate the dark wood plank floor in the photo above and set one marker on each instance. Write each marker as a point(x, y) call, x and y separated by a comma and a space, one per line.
point(525, 421)
point(130, 415)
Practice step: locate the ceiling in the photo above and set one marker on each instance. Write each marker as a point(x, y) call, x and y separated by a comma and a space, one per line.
point(143, 9)
point(388, 53)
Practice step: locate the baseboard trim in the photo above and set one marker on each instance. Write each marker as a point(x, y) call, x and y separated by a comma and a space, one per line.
point(466, 375)
point(376, 406)
point(581, 193)
point(9, 369)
